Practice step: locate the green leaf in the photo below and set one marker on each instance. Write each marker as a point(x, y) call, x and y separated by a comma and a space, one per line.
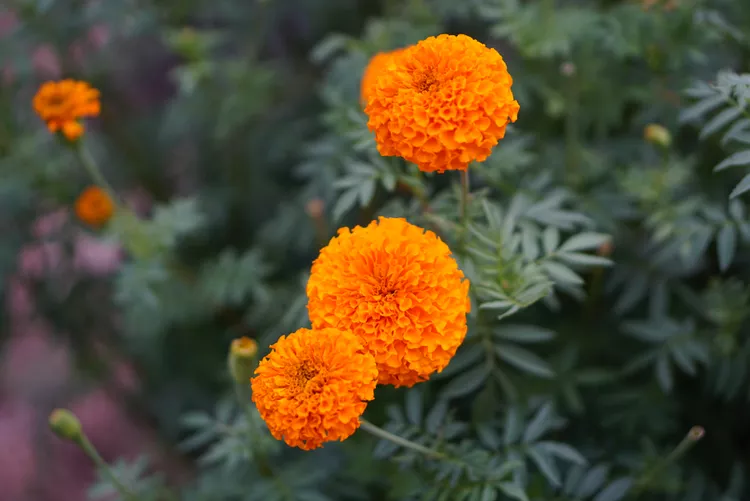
point(737, 159)
point(550, 239)
point(414, 407)
point(593, 481)
point(513, 491)
point(726, 244)
point(466, 382)
point(563, 451)
point(719, 121)
point(522, 333)
point(539, 425)
point(561, 274)
point(524, 360)
point(701, 108)
point(345, 203)
point(546, 465)
point(616, 490)
point(741, 187)
point(584, 241)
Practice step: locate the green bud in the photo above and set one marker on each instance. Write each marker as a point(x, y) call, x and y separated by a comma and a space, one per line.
point(658, 135)
point(242, 359)
point(65, 425)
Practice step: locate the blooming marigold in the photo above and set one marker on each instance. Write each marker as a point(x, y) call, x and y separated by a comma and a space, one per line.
point(94, 206)
point(378, 63)
point(62, 104)
point(313, 386)
point(442, 103)
point(397, 288)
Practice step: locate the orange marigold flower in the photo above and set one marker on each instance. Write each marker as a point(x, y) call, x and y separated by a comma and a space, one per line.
point(442, 103)
point(313, 386)
point(399, 289)
point(62, 104)
point(94, 206)
point(377, 65)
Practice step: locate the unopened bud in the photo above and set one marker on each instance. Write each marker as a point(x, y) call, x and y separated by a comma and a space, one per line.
point(65, 425)
point(315, 208)
point(658, 135)
point(242, 358)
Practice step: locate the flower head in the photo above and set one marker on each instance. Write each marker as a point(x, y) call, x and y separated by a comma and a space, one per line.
point(313, 386)
point(442, 103)
point(94, 206)
point(62, 104)
point(377, 65)
point(399, 290)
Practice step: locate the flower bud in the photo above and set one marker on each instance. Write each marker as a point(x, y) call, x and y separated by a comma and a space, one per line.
point(658, 135)
point(242, 359)
point(65, 425)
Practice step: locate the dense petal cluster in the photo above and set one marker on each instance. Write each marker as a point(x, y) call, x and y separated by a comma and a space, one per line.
point(399, 290)
point(94, 206)
point(313, 386)
point(62, 104)
point(442, 103)
point(378, 63)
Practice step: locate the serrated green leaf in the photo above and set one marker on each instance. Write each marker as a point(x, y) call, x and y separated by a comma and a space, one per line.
point(737, 159)
point(720, 121)
point(546, 465)
point(615, 491)
point(513, 491)
point(540, 424)
point(563, 451)
point(561, 273)
point(741, 187)
point(345, 203)
point(523, 333)
point(524, 360)
point(584, 241)
point(466, 383)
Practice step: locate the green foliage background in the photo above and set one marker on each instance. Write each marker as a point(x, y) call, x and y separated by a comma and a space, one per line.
point(609, 275)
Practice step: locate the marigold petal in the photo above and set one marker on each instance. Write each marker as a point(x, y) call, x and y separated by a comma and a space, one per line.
point(399, 290)
point(313, 386)
point(454, 78)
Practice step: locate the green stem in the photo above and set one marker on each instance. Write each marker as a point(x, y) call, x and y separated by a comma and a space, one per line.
point(692, 437)
point(93, 170)
point(242, 400)
point(92, 453)
point(464, 197)
point(386, 435)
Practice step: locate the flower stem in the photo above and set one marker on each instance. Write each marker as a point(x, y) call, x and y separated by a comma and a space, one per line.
point(93, 170)
point(386, 435)
point(692, 437)
point(464, 197)
point(243, 398)
point(92, 453)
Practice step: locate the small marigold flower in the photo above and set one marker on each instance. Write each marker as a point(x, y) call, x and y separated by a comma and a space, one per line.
point(62, 104)
point(377, 65)
point(313, 386)
point(442, 103)
point(94, 206)
point(399, 289)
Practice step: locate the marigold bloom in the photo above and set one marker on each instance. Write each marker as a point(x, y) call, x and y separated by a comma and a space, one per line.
point(94, 206)
point(442, 103)
point(62, 104)
point(313, 386)
point(399, 289)
point(377, 65)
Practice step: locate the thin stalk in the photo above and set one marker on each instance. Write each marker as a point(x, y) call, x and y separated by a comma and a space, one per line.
point(240, 392)
point(687, 443)
point(92, 453)
point(464, 197)
point(89, 164)
point(386, 435)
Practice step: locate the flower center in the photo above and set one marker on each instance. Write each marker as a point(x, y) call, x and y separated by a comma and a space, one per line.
point(303, 374)
point(425, 80)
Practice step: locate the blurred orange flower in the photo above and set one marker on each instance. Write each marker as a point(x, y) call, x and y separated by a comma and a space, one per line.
point(313, 386)
point(62, 104)
point(442, 103)
point(94, 206)
point(378, 63)
point(399, 289)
